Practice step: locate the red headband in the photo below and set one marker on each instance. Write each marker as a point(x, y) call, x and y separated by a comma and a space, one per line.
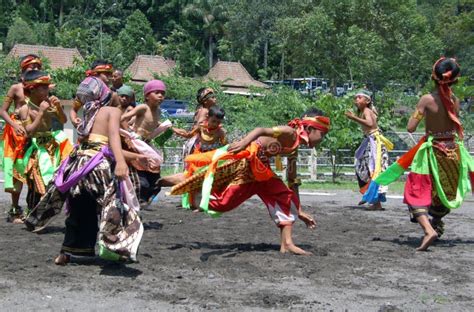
point(317, 122)
point(107, 68)
point(30, 60)
point(447, 76)
point(43, 80)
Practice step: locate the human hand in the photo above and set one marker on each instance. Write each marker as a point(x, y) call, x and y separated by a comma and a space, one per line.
point(307, 219)
point(55, 101)
point(349, 114)
point(76, 121)
point(238, 146)
point(44, 106)
point(121, 170)
point(19, 130)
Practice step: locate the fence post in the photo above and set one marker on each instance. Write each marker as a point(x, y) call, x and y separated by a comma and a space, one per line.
point(176, 163)
point(313, 164)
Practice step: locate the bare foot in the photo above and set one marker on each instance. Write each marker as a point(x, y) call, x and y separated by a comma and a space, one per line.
point(62, 259)
point(427, 241)
point(291, 248)
point(307, 219)
point(17, 221)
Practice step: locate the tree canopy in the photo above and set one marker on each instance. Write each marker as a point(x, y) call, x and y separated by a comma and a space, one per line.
point(370, 42)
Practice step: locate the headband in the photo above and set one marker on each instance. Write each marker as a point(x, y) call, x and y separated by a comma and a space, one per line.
point(205, 94)
point(43, 80)
point(29, 60)
point(447, 76)
point(106, 68)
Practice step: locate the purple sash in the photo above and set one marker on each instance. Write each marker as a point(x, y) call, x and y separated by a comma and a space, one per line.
point(73, 179)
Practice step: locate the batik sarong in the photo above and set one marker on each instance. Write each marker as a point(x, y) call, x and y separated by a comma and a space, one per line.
point(13, 153)
point(43, 155)
point(441, 174)
point(372, 159)
point(230, 179)
point(96, 203)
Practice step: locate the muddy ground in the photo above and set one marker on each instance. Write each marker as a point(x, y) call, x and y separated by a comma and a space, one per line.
point(363, 261)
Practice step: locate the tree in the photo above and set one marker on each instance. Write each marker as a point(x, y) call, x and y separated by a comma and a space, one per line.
point(211, 14)
point(20, 32)
point(136, 37)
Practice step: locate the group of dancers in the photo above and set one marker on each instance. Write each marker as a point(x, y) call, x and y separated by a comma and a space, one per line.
point(113, 170)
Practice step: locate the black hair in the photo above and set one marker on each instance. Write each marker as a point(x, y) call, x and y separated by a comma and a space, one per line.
point(34, 74)
point(312, 112)
point(99, 62)
point(445, 66)
point(217, 112)
point(198, 94)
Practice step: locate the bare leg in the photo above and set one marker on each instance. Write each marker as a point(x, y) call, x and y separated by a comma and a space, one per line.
point(430, 233)
point(287, 244)
point(172, 180)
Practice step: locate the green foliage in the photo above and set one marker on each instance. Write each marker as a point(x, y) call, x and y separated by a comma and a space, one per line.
point(20, 32)
point(135, 38)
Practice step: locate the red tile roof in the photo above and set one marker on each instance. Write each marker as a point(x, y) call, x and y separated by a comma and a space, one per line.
point(233, 74)
point(144, 66)
point(58, 57)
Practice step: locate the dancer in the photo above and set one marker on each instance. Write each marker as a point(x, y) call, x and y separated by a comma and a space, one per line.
point(247, 172)
point(14, 139)
point(206, 98)
point(211, 133)
point(371, 156)
point(440, 164)
point(147, 126)
point(46, 148)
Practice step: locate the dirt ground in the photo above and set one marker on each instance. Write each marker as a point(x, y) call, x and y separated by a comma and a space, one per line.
point(362, 261)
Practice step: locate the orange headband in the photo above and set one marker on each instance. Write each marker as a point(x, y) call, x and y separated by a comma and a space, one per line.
point(44, 80)
point(107, 68)
point(30, 60)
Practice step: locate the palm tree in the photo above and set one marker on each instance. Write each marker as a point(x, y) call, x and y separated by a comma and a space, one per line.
point(211, 13)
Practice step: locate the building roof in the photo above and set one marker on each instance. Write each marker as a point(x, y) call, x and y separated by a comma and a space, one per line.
point(58, 57)
point(144, 66)
point(233, 75)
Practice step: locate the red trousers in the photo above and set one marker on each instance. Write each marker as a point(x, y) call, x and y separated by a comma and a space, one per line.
point(282, 203)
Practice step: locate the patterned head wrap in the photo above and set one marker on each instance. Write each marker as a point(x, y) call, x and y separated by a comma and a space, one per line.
point(445, 92)
point(29, 60)
point(38, 80)
point(205, 94)
point(103, 68)
point(320, 123)
point(93, 93)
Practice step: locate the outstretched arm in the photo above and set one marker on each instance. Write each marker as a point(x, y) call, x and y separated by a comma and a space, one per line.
point(185, 134)
point(293, 184)
point(368, 120)
point(418, 115)
point(258, 132)
point(137, 111)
